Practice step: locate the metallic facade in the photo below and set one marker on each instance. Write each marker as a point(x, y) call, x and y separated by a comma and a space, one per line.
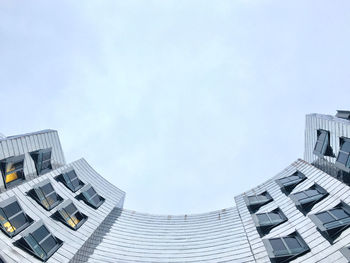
point(114, 234)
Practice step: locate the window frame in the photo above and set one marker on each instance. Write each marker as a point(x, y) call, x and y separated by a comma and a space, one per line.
point(19, 171)
point(326, 149)
point(87, 199)
point(37, 158)
point(38, 187)
point(305, 207)
point(278, 257)
point(255, 206)
point(59, 214)
point(6, 203)
point(264, 229)
point(63, 178)
point(331, 233)
point(341, 166)
point(288, 188)
point(24, 243)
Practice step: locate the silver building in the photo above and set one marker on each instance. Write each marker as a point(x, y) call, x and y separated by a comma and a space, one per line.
point(55, 211)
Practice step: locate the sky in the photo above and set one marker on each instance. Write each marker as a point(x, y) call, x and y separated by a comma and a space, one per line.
point(182, 104)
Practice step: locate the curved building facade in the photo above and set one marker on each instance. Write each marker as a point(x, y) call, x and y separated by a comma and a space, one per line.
point(55, 211)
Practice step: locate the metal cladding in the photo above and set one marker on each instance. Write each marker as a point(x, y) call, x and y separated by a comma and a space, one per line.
point(300, 215)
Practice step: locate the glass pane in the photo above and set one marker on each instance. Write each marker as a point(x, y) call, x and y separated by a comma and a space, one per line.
point(95, 200)
point(18, 220)
point(11, 177)
point(51, 199)
point(311, 192)
point(275, 217)
point(75, 183)
point(318, 147)
point(339, 213)
point(263, 218)
point(35, 246)
point(300, 195)
point(40, 233)
point(292, 242)
point(47, 189)
point(46, 156)
point(91, 192)
point(70, 209)
point(342, 158)
point(71, 175)
point(13, 166)
point(346, 147)
point(284, 180)
point(325, 217)
point(252, 199)
point(322, 136)
point(277, 244)
point(48, 244)
point(12, 209)
point(46, 165)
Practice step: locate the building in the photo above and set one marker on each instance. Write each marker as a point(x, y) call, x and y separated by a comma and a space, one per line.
point(55, 211)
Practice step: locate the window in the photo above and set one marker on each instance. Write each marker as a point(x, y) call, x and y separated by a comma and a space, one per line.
point(45, 195)
point(288, 183)
point(39, 241)
point(254, 202)
point(322, 146)
point(13, 219)
point(68, 213)
point(283, 249)
point(12, 170)
point(42, 160)
point(90, 196)
point(71, 180)
point(346, 252)
point(305, 200)
point(343, 161)
point(264, 222)
point(331, 223)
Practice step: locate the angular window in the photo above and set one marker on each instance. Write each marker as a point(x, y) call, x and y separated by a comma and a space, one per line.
point(333, 222)
point(283, 249)
point(68, 213)
point(288, 183)
point(45, 195)
point(254, 202)
point(71, 180)
point(12, 218)
point(39, 241)
point(12, 170)
point(90, 196)
point(42, 160)
point(264, 222)
point(305, 200)
point(343, 161)
point(322, 146)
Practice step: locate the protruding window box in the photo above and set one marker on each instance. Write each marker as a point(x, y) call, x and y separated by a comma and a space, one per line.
point(39, 241)
point(331, 223)
point(254, 202)
point(42, 160)
point(45, 195)
point(287, 184)
point(343, 160)
point(12, 217)
point(305, 200)
point(69, 215)
point(322, 146)
point(70, 179)
point(90, 197)
point(12, 170)
point(284, 249)
point(264, 222)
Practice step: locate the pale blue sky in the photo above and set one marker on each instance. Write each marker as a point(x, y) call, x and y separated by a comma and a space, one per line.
point(182, 104)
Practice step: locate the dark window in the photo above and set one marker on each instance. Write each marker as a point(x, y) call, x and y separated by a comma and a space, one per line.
point(283, 249)
point(288, 183)
point(305, 200)
point(12, 170)
point(322, 146)
point(45, 195)
point(332, 222)
point(71, 180)
point(13, 219)
point(90, 196)
point(70, 215)
point(343, 161)
point(254, 202)
point(264, 222)
point(39, 241)
point(42, 160)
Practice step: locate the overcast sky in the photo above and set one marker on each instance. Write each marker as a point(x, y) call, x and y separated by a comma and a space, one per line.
point(182, 104)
